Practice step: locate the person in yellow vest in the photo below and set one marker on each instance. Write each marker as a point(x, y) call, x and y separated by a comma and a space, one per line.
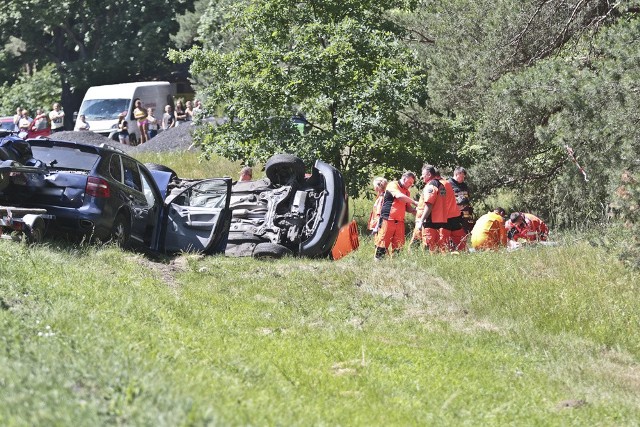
point(488, 231)
point(397, 201)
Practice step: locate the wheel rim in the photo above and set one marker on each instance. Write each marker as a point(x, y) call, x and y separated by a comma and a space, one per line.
point(119, 234)
point(36, 235)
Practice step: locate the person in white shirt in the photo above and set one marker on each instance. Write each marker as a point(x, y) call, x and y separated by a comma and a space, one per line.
point(56, 117)
point(81, 123)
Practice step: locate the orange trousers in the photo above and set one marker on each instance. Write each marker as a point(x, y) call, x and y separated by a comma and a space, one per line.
point(391, 233)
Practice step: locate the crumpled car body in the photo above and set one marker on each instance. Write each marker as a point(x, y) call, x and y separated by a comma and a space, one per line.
point(287, 213)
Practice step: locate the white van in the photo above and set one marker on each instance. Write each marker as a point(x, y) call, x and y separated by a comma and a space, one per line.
point(102, 105)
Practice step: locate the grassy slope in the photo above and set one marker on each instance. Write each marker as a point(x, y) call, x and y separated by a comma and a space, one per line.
point(98, 336)
point(94, 336)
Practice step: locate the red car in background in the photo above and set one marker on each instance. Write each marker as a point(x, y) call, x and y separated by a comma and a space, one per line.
point(6, 123)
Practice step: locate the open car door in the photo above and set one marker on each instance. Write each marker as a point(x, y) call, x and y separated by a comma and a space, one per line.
point(198, 217)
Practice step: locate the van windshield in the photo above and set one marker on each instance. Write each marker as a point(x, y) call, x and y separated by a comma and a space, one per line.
point(104, 109)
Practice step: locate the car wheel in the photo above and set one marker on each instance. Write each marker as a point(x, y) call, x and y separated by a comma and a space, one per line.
point(162, 168)
point(121, 231)
point(271, 251)
point(282, 167)
point(34, 233)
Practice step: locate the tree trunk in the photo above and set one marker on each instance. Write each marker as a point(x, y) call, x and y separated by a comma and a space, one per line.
point(70, 102)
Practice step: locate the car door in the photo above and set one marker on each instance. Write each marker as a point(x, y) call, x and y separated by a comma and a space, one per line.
point(198, 217)
point(143, 208)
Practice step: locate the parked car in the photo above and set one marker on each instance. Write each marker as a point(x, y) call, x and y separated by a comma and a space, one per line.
point(286, 213)
point(6, 123)
point(100, 192)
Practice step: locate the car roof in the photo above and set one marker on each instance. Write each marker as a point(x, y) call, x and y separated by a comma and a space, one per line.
point(98, 149)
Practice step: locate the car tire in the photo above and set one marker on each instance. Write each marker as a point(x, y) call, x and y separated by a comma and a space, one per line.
point(121, 231)
point(162, 168)
point(34, 233)
point(282, 167)
point(271, 251)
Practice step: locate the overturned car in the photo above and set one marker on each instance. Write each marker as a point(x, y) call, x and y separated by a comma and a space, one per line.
point(286, 213)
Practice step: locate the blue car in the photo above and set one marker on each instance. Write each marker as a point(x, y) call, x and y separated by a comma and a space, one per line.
point(100, 192)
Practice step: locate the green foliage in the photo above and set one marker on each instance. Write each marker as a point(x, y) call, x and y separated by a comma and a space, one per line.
point(94, 42)
point(39, 90)
point(585, 100)
point(189, 23)
point(340, 65)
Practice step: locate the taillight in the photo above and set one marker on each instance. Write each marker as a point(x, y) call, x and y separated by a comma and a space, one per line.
point(97, 187)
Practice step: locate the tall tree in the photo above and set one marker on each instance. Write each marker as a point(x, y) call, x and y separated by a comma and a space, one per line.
point(338, 68)
point(94, 42)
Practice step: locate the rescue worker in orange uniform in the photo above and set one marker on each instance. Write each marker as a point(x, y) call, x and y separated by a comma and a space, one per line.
point(379, 186)
point(440, 210)
point(461, 190)
point(489, 231)
point(397, 201)
point(526, 226)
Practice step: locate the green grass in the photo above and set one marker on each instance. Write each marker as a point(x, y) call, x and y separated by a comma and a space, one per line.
point(190, 164)
point(95, 336)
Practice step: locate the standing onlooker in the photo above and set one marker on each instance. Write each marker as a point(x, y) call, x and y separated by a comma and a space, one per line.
point(40, 121)
point(24, 122)
point(56, 117)
point(379, 186)
point(396, 203)
point(246, 174)
point(81, 123)
point(197, 109)
point(140, 114)
point(16, 119)
point(152, 124)
point(168, 118)
point(489, 232)
point(188, 110)
point(180, 114)
point(39, 126)
point(461, 190)
point(123, 130)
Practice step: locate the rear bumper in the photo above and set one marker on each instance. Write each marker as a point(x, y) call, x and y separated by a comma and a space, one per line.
point(80, 221)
